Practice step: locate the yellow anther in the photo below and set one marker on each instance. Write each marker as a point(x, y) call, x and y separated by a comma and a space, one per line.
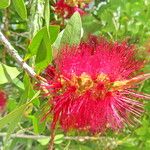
point(76, 3)
point(120, 85)
point(102, 77)
point(85, 82)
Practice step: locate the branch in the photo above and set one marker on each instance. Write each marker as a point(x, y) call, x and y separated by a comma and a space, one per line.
point(13, 53)
point(76, 138)
point(5, 31)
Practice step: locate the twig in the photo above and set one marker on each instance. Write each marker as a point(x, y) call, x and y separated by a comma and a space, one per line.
point(74, 138)
point(13, 53)
point(22, 34)
point(25, 136)
point(19, 46)
point(51, 143)
point(5, 30)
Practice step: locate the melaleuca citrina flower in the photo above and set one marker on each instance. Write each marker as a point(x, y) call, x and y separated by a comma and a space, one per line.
point(92, 86)
point(66, 8)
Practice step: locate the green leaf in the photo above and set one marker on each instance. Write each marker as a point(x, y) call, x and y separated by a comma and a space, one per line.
point(41, 46)
point(54, 31)
point(47, 15)
point(29, 93)
point(35, 123)
point(4, 4)
point(35, 95)
point(44, 141)
point(35, 43)
point(7, 73)
point(73, 31)
point(58, 138)
point(44, 53)
point(90, 24)
point(20, 8)
point(13, 125)
point(18, 83)
point(11, 104)
point(12, 116)
point(37, 40)
point(56, 44)
point(15, 116)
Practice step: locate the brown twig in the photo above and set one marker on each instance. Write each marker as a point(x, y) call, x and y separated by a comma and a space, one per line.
point(74, 138)
point(51, 143)
point(5, 30)
point(14, 54)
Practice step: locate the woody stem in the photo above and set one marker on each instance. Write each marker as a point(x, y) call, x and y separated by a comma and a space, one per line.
point(13, 53)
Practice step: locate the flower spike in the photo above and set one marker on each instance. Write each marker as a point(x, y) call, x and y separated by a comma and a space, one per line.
point(91, 87)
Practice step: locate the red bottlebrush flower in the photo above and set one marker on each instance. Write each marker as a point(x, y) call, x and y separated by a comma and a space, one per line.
point(66, 8)
point(92, 86)
point(2, 99)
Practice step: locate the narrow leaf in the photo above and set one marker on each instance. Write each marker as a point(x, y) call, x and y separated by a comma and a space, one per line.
point(20, 8)
point(7, 73)
point(35, 43)
point(4, 4)
point(73, 31)
point(12, 116)
point(47, 15)
point(44, 53)
point(37, 40)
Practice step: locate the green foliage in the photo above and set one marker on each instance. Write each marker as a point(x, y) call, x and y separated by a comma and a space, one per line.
point(118, 20)
point(14, 117)
point(4, 4)
point(90, 25)
point(71, 35)
point(47, 15)
point(73, 32)
point(20, 8)
point(28, 26)
point(41, 46)
point(57, 140)
point(7, 73)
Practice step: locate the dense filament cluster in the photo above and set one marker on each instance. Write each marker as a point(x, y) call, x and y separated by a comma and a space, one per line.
point(66, 8)
point(92, 86)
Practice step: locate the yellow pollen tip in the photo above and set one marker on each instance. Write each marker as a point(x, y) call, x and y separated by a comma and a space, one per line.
point(76, 3)
point(85, 82)
point(119, 85)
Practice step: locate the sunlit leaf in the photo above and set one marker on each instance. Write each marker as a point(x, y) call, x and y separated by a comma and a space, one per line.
point(4, 4)
point(20, 8)
point(7, 73)
point(44, 141)
point(72, 32)
point(47, 15)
